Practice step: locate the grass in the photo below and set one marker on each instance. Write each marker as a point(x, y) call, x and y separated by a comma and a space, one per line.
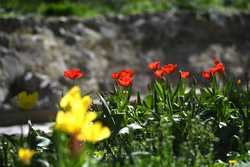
point(84, 8)
point(173, 125)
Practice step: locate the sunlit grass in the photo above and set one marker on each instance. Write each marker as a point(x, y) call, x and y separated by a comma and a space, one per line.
point(88, 9)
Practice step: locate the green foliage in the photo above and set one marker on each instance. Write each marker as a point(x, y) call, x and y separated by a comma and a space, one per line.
point(139, 6)
point(199, 4)
point(176, 126)
point(69, 9)
point(241, 4)
point(59, 9)
point(94, 8)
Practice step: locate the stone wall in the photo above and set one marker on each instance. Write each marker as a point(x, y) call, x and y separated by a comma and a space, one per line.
point(34, 51)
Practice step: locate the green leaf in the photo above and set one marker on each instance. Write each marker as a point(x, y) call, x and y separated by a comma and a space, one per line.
point(107, 111)
point(148, 101)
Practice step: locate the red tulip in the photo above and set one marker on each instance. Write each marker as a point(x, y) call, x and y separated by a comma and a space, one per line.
point(217, 68)
point(124, 77)
point(206, 75)
point(126, 73)
point(154, 65)
point(169, 68)
point(125, 81)
point(159, 73)
point(115, 75)
point(73, 73)
point(213, 70)
point(220, 68)
point(184, 74)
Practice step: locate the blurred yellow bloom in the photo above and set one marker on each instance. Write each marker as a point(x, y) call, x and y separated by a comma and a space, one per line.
point(72, 95)
point(27, 101)
point(25, 155)
point(232, 162)
point(70, 122)
point(77, 120)
point(238, 82)
point(93, 132)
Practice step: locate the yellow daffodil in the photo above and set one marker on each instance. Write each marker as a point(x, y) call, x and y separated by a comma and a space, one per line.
point(27, 101)
point(238, 82)
point(93, 132)
point(77, 120)
point(80, 106)
point(232, 162)
point(70, 122)
point(72, 95)
point(25, 155)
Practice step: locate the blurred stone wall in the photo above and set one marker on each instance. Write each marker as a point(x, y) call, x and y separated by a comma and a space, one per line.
point(34, 51)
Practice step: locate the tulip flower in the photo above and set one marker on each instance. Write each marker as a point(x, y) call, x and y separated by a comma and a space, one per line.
point(206, 75)
point(73, 73)
point(154, 65)
point(169, 68)
point(124, 77)
point(184, 74)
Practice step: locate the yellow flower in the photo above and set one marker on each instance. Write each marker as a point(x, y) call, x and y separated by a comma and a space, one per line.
point(77, 120)
point(27, 101)
point(93, 132)
point(73, 101)
point(70, 122)
point(73, 94)
point(25, 155)
point(238, 82)
point(80, 106)
point(232, 162)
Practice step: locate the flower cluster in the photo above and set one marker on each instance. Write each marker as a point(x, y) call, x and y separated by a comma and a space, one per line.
point(77, 121)
point(217, 68)
point(124, 77)
point(160, 72)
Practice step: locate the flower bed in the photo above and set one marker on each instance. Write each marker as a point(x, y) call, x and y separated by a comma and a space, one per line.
point(183, 124)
